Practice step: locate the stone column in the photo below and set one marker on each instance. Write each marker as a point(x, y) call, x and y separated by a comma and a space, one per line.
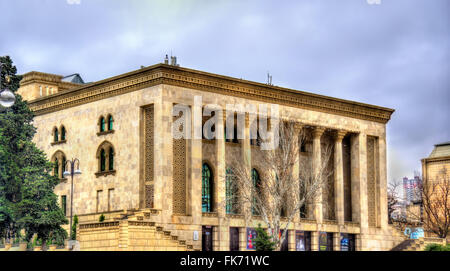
point(296, 170)
point(317, 160)
point(314, 241)
point(163, 158)
point(359, 185)
point(246, 151)
point(339, 177)
point(223, 230)
point(291, 240)
point(336, 241)
point(195, 181)
point(383, 183)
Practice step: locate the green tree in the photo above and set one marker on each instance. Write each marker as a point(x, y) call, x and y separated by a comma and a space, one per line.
point(27, 200)
point(263, 242)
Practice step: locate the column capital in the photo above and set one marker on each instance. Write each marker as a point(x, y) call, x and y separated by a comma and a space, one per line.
point(247, 119)
point(339, 135)
point(318, 131)
point(298, 126)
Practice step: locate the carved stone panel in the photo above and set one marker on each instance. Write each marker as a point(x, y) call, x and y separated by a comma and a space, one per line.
point(179, 174)
point(149, 155)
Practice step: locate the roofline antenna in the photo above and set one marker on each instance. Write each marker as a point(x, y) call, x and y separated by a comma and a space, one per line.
point(269, 79)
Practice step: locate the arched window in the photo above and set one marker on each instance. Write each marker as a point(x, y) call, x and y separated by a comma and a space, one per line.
point(63, 133)
point(111, 159)
point(56, 168)
point(102, 160)
point(110, 123)
point(206, 188)
point(102, 124)
point(55, 135)
point(231, 192)
point(256, 183)
point(59, 161)
point(105, 156)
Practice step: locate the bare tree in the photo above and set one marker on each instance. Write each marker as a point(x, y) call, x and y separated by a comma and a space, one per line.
point(394, 198)
point(286, 185)
point(436, 203)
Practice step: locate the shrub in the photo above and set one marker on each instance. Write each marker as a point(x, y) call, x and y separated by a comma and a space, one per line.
point(101, 218)
point(437, 247)
point(263, 241)
point(74, 228)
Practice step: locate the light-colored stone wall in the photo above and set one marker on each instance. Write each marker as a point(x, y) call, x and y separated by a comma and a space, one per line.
point(81, 123)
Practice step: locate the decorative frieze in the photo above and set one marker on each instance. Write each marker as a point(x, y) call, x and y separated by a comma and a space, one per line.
point(164, 74)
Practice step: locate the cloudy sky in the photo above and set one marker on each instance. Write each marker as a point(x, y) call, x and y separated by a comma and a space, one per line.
point(395, 54)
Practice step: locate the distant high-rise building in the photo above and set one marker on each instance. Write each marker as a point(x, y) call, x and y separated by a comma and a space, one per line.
point(411, 189)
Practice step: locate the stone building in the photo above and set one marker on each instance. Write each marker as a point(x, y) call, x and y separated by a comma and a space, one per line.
point(436, 172)
point(151, 187)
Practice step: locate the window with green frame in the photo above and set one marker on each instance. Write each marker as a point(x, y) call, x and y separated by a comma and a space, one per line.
point(110, 123)
point(63, 166)
point(256, 183)
point(102, 160)
point(55, 135)
point(206, 188)
point(102, 124)
point(56, 170)
point(230, 192)
point(111, 158)
point(63, 133)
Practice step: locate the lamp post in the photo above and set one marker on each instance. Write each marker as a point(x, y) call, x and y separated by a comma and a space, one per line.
point(7, 98)
point(71, 173)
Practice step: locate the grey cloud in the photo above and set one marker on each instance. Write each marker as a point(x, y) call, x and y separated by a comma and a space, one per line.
point(396, 54)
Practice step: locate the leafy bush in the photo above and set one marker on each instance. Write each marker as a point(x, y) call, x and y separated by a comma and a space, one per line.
point(101, 218)
point(74, 228)
point(437, 247)
point(263, 241)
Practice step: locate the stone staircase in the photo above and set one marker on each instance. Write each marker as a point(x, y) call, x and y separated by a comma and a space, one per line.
point(136, 230)
point(417, 244)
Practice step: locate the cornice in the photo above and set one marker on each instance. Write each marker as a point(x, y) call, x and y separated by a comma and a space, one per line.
point(183, 77)
point(436, 159)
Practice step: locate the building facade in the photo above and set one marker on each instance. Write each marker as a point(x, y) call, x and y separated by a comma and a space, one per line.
point(436, 176)
point(146, 182)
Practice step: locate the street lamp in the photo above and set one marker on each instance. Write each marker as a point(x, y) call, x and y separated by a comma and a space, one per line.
point(7, 98)
point(71, 173)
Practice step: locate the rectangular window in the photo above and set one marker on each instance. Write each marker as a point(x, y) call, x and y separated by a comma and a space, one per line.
point(64, 204)
point(40, 91)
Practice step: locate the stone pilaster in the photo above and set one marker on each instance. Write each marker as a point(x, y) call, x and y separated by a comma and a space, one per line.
point(359, 184)
point(222, 231)
point(163, 164)
point(317, 160)
point(383, 183)
point(339, 177)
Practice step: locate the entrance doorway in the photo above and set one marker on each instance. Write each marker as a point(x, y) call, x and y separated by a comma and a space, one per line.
point(207, 240)
point(234, 239)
